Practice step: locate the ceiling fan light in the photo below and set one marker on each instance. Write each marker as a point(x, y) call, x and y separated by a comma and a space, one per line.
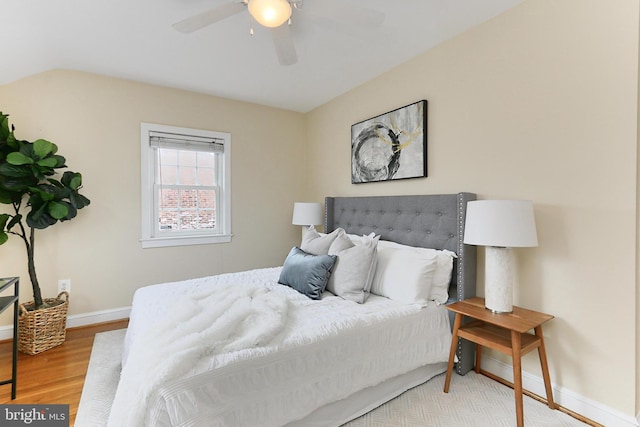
point(270, 13)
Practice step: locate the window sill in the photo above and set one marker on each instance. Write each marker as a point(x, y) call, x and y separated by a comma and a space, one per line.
point(161, 242)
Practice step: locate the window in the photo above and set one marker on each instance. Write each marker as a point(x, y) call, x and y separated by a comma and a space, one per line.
point(186, 198)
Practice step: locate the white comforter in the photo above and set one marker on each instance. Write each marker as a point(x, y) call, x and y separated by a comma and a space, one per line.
point(200, 326)
point(279, 356)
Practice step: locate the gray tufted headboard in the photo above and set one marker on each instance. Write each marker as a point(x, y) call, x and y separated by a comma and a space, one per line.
point(429, 221)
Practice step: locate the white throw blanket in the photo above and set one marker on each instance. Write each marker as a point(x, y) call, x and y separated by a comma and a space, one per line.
point(226, 319)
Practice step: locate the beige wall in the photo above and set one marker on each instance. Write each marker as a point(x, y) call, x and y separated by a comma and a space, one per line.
point(539, 103)
point(95, 121)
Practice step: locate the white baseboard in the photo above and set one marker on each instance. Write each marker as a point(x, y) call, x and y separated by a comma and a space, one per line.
point(102, 316)
point(569, 399)
point(84, 319)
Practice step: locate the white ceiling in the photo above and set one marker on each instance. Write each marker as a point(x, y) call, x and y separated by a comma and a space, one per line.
point(133, 39)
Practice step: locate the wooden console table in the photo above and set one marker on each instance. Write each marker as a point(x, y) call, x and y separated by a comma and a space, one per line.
point(506, 333)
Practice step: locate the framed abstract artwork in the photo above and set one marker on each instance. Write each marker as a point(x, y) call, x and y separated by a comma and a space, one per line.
point(390, 146)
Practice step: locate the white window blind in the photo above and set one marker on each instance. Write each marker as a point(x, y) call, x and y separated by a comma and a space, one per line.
point(185, 142)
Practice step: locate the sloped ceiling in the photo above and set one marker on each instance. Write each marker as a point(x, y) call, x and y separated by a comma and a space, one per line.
point(135, 40)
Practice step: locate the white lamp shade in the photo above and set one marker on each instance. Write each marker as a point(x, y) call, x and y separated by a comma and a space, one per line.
point(270, 13)
point(307, 213)
point(500, 223)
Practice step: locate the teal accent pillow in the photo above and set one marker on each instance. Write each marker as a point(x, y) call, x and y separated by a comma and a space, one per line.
point(306, 273)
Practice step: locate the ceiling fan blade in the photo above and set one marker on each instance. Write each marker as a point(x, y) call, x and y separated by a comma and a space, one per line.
point(283, 43)
point(209, 17)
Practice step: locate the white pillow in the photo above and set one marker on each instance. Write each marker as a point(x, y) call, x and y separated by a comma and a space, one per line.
point(404, 275)
point(427, 279)
point(355, 238)
point(354, 268)
point(318, 244)
point(442, 277)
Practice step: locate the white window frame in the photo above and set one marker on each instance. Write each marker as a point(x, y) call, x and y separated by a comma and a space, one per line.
point(151, 238)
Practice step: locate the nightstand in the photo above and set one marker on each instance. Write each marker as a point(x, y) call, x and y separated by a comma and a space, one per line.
point(507, 333)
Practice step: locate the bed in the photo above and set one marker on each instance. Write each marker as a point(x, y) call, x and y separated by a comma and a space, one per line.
point(285, 356)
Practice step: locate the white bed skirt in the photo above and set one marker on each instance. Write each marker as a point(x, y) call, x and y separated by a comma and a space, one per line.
point(363, 401)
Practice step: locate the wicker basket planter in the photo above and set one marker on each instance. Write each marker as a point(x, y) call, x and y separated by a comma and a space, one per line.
point(40, 330)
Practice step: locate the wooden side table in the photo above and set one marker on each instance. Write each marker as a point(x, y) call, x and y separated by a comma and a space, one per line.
point(507, 333)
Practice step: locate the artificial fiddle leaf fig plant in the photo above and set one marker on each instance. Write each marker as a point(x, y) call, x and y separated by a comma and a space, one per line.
point(31, 184)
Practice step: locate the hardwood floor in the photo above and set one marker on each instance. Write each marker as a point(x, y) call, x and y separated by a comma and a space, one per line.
point(56, 375)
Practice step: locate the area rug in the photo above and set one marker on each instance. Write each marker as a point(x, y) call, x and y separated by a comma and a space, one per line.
point(473, 400)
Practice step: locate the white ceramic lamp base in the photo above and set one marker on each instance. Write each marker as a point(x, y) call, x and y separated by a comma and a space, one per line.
point(498, 286)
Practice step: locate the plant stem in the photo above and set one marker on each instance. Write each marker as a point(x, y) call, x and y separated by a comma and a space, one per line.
point(29, 244)
point(37, 296)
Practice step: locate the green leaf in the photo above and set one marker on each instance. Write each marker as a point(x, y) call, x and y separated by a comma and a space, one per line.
point(39, 218)
point(72, 212)
point(40, 194)
point(42, 148)
point(17, 186)
point(6, 196)
point(76, 182)
point(3, 220)
point(43, 221)
point(60, 161)
point(15, 220)
point(78, 201)
point(38, 173)
point(57, 210)
point(4, 125)
point(3, 237)
point(68, 177)
point(54, 183)
point(49, 162)
point(17, 159)
point(55, 188)
point(14, 171)
point(26, 148)
point(11, 141)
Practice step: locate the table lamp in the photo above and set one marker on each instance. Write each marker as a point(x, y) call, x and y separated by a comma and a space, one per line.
point(307, 214)
point(500, 225)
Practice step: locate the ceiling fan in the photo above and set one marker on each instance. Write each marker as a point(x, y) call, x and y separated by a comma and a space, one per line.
point(276, 15)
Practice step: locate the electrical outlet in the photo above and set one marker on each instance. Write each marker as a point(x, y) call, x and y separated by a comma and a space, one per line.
point(64, 285)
